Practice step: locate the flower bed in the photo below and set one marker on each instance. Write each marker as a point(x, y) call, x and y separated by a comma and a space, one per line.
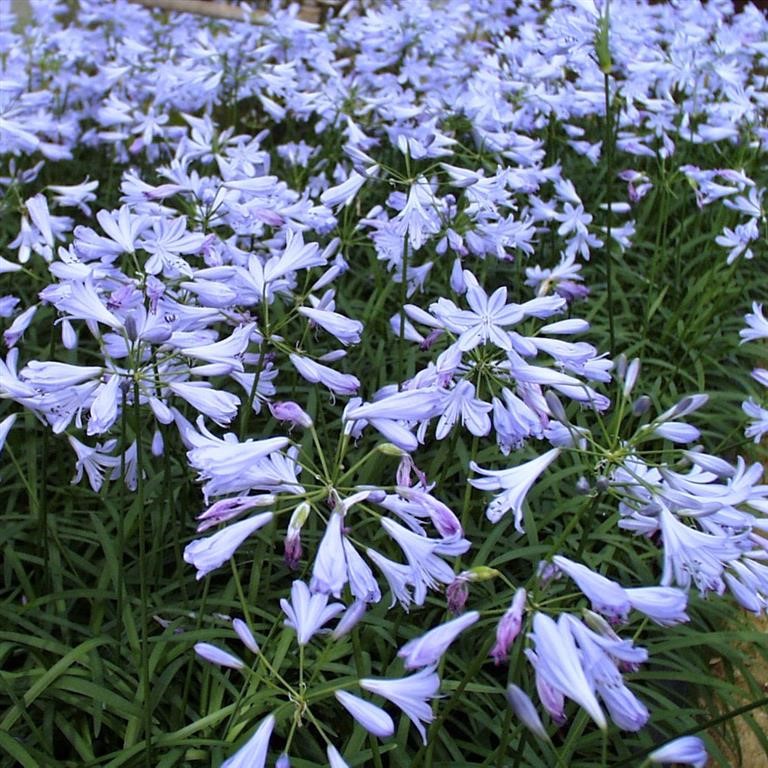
point(437, 322)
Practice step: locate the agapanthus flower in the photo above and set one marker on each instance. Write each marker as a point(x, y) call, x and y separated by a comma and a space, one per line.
point(253, 754)
point(523, 707)
point(306, 612)
point(218, 656)
point(558, 661)
point(427, 649)
point(212, 552)
point(411, 694)
point(514, 484)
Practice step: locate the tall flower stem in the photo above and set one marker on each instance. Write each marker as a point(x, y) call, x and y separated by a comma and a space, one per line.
point(143, 585)
point(608, 184)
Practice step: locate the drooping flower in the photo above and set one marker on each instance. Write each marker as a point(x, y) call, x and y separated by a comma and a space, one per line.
point(559, 663)
point(411, 694)
point(329, 574)
point(427, 649)
point(210, 553)
point(514, 483)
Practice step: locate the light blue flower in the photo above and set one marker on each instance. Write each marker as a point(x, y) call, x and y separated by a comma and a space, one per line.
point(687, 749)
point(427, 649)
point(307, 612)
point(253, 754)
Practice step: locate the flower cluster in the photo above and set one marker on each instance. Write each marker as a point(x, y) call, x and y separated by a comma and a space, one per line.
point(314, 319)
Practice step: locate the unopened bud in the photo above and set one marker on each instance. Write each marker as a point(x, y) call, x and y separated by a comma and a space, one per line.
point(456, 594)
point(287, 410)
point(555, 406)
point(390, 449)
point(481, 573)
point(245, 635)
point(131, 331)
point(641, 405)
point(582, 486)
point(602, 484)
point(630, 377)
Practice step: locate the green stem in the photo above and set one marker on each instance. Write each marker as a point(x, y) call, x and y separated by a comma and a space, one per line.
point(403, 302)
point(143, 584)
point(608, 185)
point(246, 413)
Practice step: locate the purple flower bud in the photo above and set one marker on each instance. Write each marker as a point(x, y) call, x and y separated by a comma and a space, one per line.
point(509, 627)
point(641, 405)
point(456, 594)
point(287, 410)
point(293, 551)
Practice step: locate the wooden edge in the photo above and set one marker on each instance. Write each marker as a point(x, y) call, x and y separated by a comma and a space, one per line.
point(221, 10)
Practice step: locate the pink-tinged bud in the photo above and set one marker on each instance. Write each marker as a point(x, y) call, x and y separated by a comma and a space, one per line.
point(404, 470)
point(293, 550)
point(456, 594)
point(509, 627)
point(287, 410)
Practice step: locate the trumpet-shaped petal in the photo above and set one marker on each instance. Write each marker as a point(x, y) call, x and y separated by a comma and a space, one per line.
point(253, 754)
point(210, 553)
point(411, 694)
point(329, 574)
point(514, 484)
point(426, 650)
point(559, 664)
